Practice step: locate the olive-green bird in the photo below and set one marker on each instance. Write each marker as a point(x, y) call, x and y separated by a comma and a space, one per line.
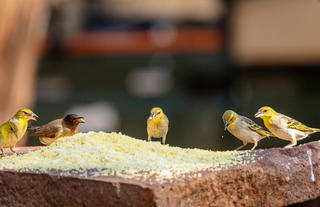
point(284, 127)
point(243, 128)
point(13, 130)
point(157, 124)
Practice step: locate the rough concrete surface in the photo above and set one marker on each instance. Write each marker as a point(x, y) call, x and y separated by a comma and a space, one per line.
point(278, 177)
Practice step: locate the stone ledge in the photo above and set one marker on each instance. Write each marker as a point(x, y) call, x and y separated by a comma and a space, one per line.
point(278, 177)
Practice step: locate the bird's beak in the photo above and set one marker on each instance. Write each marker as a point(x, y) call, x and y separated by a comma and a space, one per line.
point(153, 115)
point(33, 116)
point(80, 120)
point(16, 133)
point(258, 114)
point(226, 124)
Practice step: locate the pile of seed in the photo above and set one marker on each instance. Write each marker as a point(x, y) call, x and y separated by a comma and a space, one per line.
point(115, 154)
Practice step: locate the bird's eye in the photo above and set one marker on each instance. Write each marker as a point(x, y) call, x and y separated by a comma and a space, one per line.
point(158, 113)
point(265, 110)
point(26, 113)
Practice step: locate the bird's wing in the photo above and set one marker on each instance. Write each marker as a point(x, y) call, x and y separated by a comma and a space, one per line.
point(52, 129)
point(13, 127)
point(255, 127)
point(294, 124)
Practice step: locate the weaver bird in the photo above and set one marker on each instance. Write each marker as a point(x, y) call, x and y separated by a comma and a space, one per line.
point(284, 127)
point(243, 128)
point(55, 129)
point(13, 130)
point(157, 124)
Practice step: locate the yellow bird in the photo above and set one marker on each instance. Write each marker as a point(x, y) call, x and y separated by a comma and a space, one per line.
point(243, 128)
point(284, 127)
point(157, 124)
point(14, 129)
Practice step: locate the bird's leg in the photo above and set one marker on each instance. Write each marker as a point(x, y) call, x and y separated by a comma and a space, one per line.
point(2, 153)
point(13, 150)
point(244, 144)
point(163, 140)
point(149, 138)
point(293, 142)
point(254, 146)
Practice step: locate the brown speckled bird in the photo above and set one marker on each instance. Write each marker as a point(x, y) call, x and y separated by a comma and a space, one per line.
point(157, 124)
point(53, 130)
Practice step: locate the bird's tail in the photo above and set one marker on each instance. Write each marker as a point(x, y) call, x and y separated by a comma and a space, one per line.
point(315, 130)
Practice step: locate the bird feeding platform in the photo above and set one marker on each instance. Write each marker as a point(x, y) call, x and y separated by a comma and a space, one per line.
point(270, 177)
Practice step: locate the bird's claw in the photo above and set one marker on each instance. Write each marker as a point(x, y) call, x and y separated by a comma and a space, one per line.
point(13, 150)
point(2, 153)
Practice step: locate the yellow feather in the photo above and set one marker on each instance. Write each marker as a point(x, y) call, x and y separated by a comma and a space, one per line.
point(284, 127)
point(13, 130)
point(243, 128)
point(157, 124)
point(298, 126)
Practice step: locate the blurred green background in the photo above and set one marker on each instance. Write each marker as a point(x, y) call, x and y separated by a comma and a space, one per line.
point(203, 87)
point(115, 89)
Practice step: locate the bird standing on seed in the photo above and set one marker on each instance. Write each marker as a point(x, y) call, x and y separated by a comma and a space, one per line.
point(157, 124)
point(13, 130)
point(284, 127)
point(243, 128)
point(53, 130)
